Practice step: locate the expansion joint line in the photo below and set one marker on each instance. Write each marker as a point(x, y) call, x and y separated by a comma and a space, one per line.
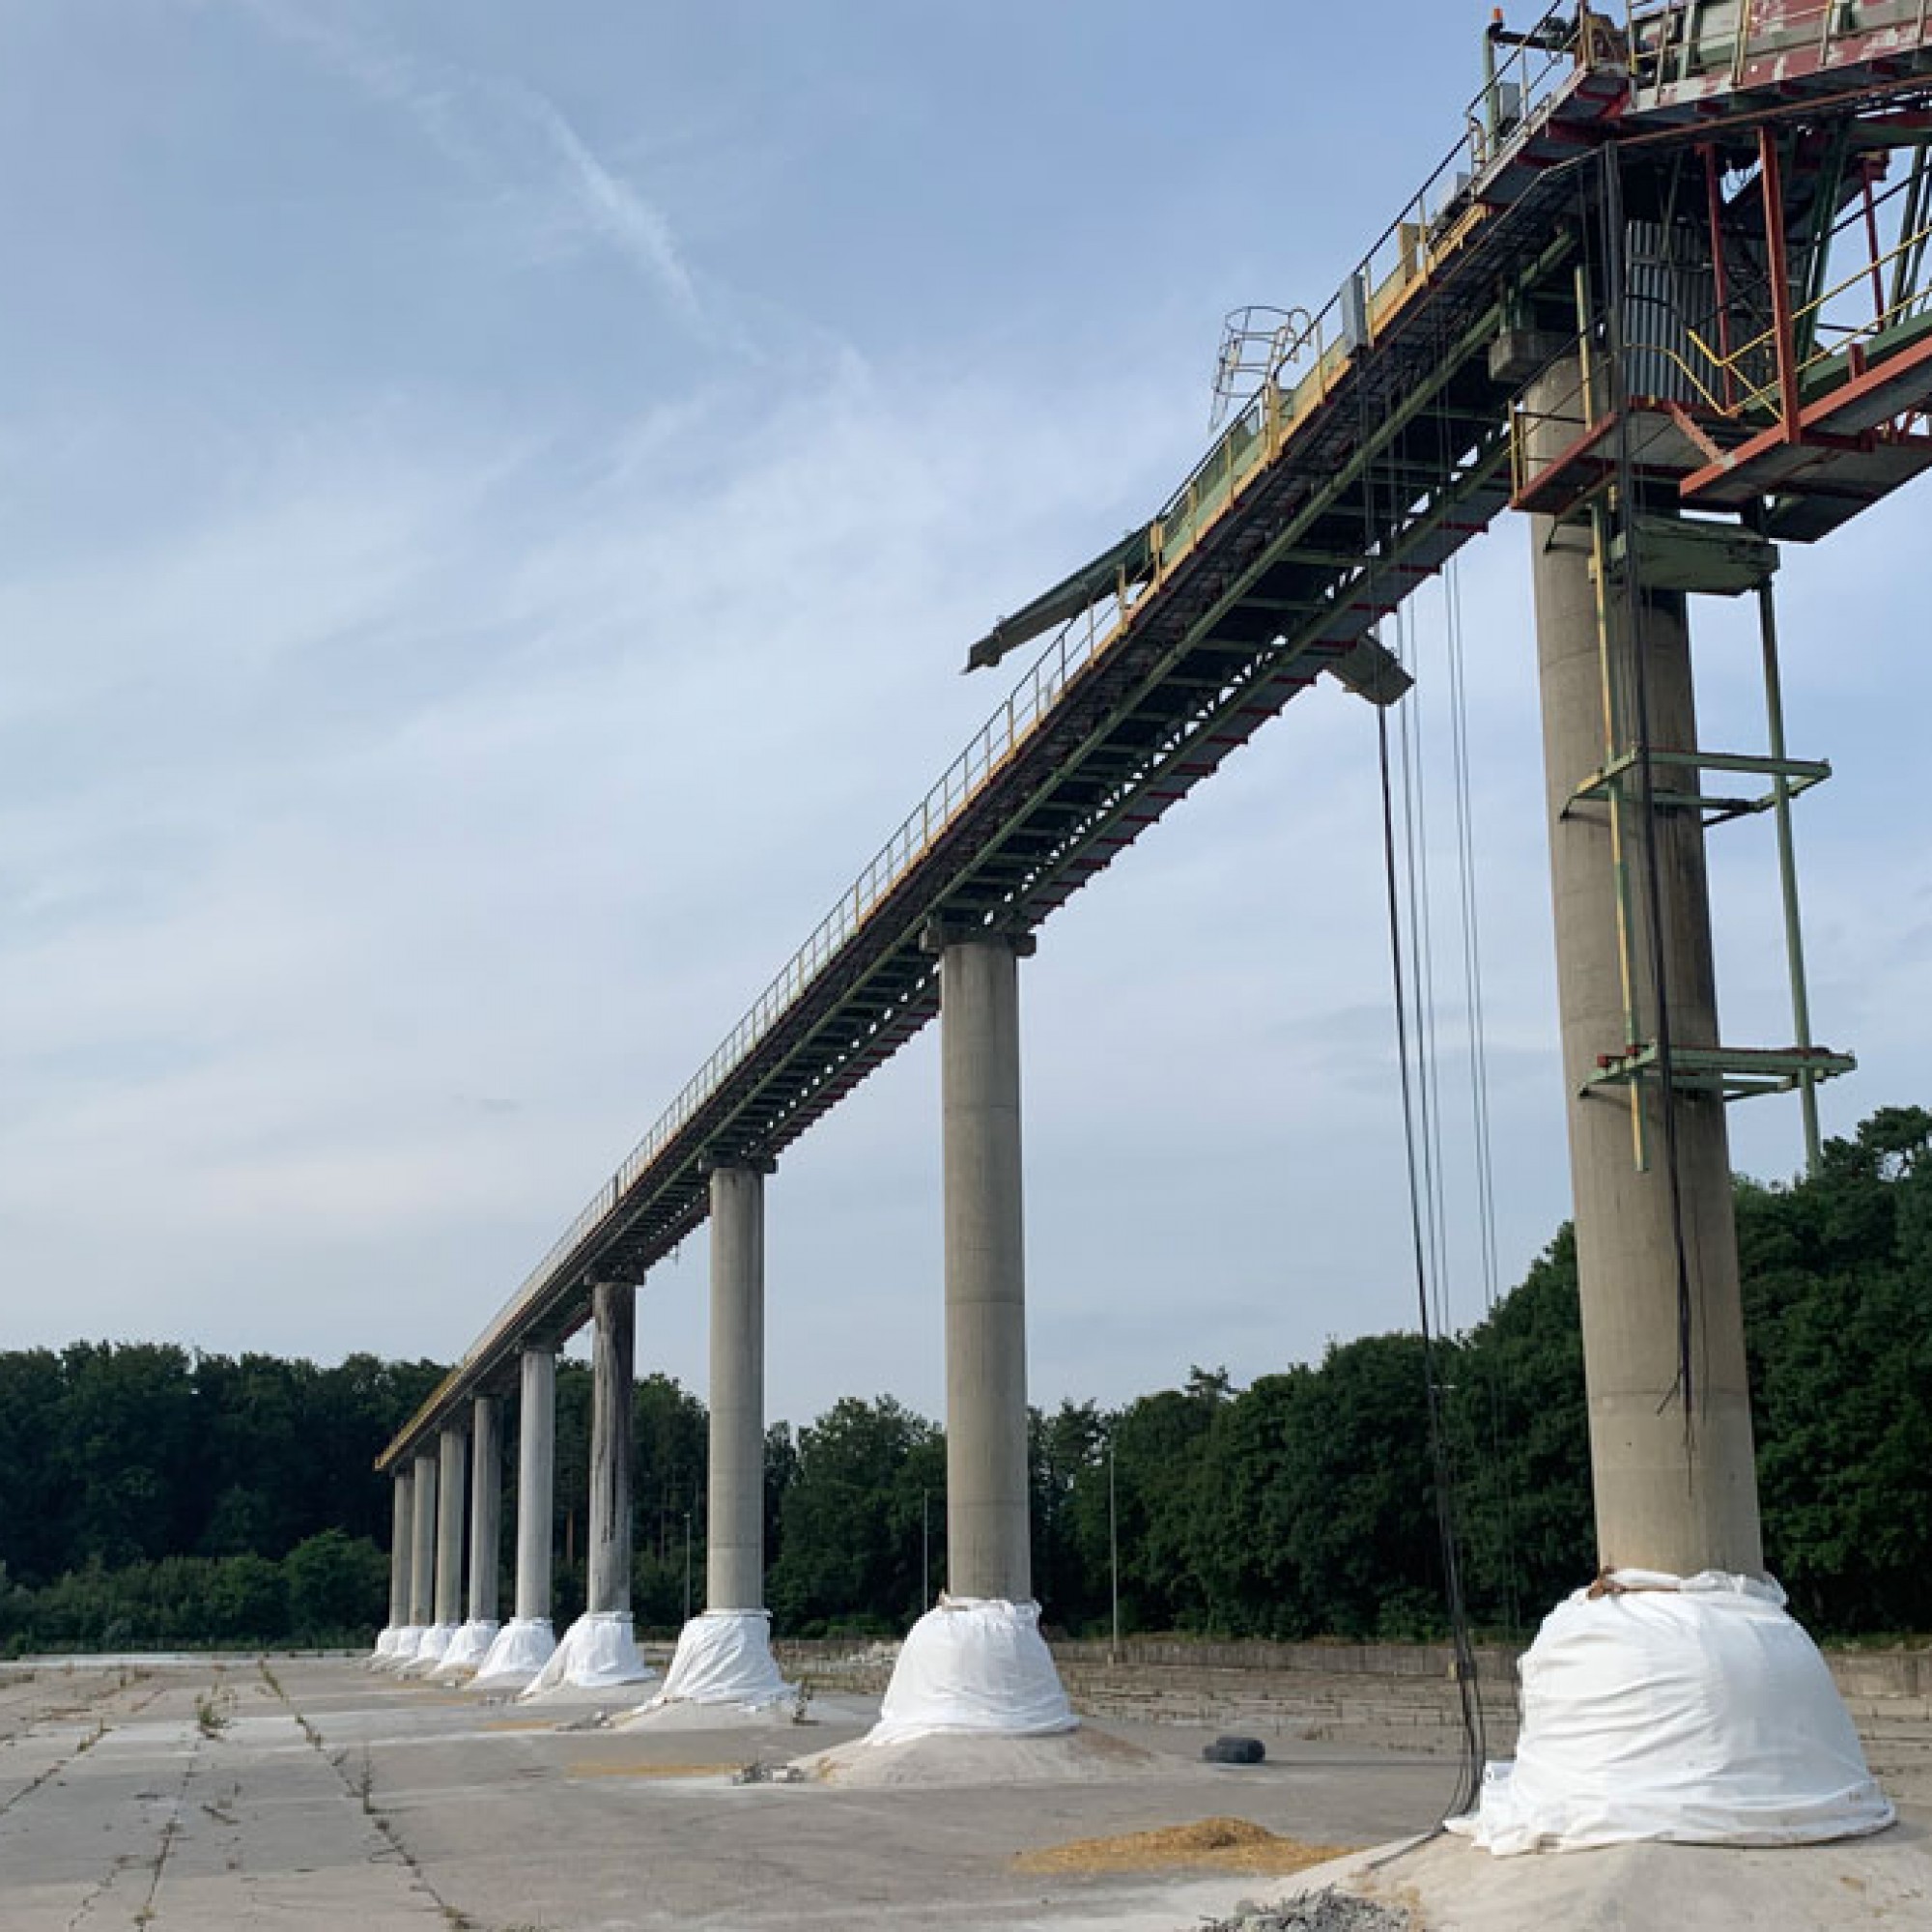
point(361, 1793)
point(171, 1830)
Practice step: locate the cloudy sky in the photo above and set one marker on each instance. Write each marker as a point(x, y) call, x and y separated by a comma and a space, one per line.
point(493, 501)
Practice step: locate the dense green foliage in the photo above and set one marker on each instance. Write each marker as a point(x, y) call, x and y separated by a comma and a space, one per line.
point(152, 1497)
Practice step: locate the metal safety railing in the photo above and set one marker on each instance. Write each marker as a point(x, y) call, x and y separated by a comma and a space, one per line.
point(1676, 42)
point(1517, 96)
point(1830, 338)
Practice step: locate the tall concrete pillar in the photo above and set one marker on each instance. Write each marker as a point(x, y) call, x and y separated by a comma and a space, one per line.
point(1636, 1703)
point(486, 1506)
point(987, 1551)
point(1675, 1492)
point(734, 1564)
point(724, 1656)
point(521, 1649)
point(422, 1541)
point(402, 1533)
point(977, 1661)
point(536, 1483)
point(614, 1308)
point(450, 1472)
point(598, 1650)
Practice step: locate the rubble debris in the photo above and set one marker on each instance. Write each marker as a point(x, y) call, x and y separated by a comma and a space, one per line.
point(1324, 1910)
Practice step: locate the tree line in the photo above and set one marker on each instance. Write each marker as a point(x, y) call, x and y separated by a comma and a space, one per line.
point(152, 1495)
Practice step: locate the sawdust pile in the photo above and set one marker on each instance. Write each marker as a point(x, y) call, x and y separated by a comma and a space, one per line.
point(1217, 1844)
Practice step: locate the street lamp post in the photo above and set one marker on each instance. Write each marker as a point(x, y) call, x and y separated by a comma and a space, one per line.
point(1113, 1554)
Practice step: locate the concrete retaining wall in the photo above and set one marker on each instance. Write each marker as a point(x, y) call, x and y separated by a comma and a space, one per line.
point(1861, 1674)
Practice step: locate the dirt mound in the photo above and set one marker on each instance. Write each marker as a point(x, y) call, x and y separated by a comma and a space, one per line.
point(1215, 1844)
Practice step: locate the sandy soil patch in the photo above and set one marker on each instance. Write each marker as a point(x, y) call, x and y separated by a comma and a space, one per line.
point(1214, 1844)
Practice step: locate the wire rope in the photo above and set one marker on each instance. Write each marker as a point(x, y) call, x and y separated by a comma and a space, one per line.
point(1403, 882)
point(1475, 1742)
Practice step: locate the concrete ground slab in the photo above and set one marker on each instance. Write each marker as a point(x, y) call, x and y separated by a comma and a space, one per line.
point(1084, 1757)
point(1451, 1885)
point(307, 1792)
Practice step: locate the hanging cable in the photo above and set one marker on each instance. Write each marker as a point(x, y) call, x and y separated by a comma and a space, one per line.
point(1377, 536)
point(1475, 1742)
point(1495, 1371)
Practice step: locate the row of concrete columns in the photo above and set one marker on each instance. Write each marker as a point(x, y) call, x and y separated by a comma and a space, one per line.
point(1670, 1497)
point(987, 1537)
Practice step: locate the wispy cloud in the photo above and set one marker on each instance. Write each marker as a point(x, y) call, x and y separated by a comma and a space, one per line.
point(471, 119)
point(617, 210)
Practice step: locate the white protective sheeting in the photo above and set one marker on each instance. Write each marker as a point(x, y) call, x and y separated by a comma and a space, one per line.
point(385, 1642)
point(598, 1650)
point(521, 1649)
point(1687, 1709)
point(976, 1664)
point(402, 1648)
point(468, 1648)
point(725, 1657)
point(435, 1642)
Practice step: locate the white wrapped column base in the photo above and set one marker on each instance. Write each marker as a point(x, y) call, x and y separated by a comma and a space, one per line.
point(468, 1648)
point(402, 1643)
point(1693, 1710)
point(431, 1650)
point(521, 1649)
point(974, 1665)
point(598, 1652)
point(725, 1657)
point(385, 1642)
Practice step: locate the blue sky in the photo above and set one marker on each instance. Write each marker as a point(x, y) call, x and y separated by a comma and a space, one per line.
point(493, 501)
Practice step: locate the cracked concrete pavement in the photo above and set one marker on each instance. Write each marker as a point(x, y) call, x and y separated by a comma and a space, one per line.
point(198, 1796)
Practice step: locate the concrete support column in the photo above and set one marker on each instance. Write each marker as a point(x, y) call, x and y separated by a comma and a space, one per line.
point(536, 1483)
point(1740, 1719)
point(724, 1657)
point(598, 1650)
point(523, 1648)
point(1675, 1492)
point(422, 1541)
point(486, 1506)
point(614, 1307)
point(987, 1551)
point(978, 1663)
point(734, 1564)
point(402, 1534)
point(450, 1474)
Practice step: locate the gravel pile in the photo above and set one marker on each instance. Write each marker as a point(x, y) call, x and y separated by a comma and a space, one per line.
point(1324, 1911)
